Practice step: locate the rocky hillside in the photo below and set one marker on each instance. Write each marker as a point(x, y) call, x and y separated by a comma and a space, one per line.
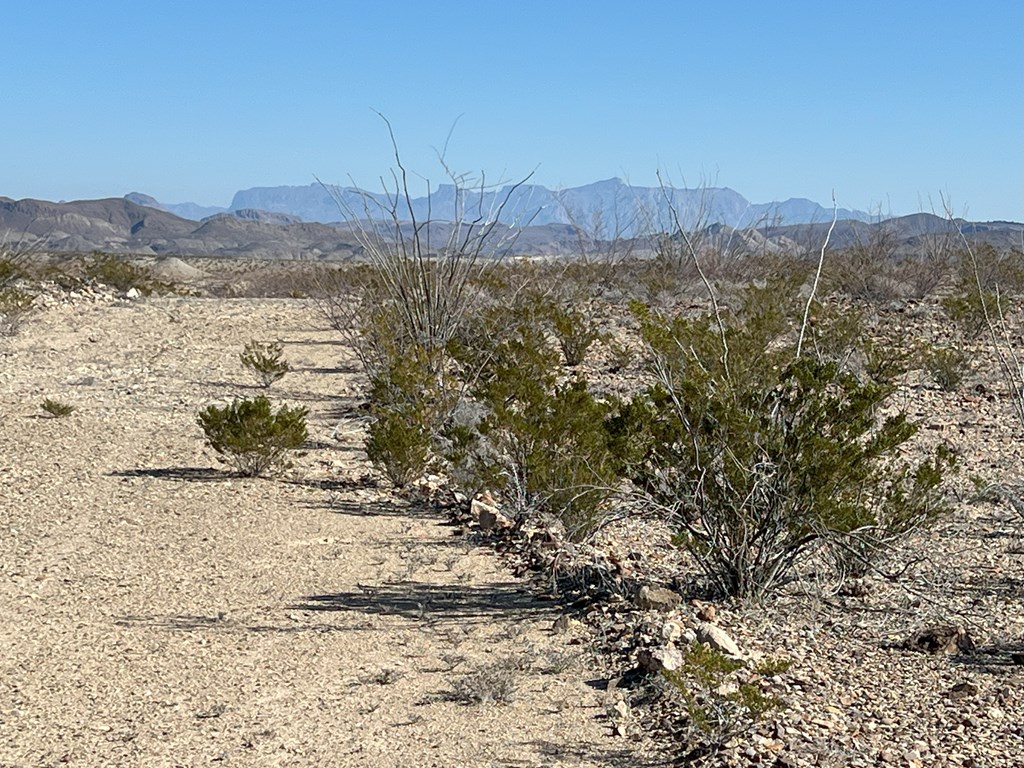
point(120, 225)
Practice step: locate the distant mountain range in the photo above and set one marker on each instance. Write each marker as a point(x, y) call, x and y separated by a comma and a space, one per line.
point(308, 222)
point(620, 209)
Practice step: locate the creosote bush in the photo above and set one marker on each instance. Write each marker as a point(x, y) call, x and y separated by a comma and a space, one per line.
point(122, 275)
point(545, 444)
point(408, 404)
point(56, 409)
point(760, 456)
point(722, 698)
point(264, 361)
point(251, 435)
point(947, 365)
point(575, 331)
point(15, 307)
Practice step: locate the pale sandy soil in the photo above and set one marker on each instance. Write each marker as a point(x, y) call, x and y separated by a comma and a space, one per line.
point(157, 612)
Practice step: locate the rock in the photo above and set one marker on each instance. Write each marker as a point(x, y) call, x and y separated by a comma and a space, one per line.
point(941, 639)
point(561, 624)
point(488, 515)
point(665, 659)
point(718, 639)
point(133, 293)
point(706, 613)
point(657, 599)
point(962, 691)
point(668, 658)
point(672, 630)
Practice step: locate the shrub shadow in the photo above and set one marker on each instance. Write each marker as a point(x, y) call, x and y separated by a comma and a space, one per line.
point(583, 753)
point(327, 371)
point(181, 623)
point(433, 602)
point(220, 623)
point(191, 474)
point(229, 385)
point(357, 508)
point(995, 658)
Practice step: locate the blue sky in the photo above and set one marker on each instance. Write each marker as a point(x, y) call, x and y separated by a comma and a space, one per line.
point(889, 103)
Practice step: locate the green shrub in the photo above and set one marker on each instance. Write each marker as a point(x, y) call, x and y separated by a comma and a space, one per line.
point(546, 446)
point(251, 435)
point(56, 408)
point(408, 409)
point(887, 359)
point(15, 307)
point(122, 275)
point(575, 332)
point(972, 311)
point(10, 271)
point(760, 456)
point(721, 703)
point(947, 365)
point(264, 361)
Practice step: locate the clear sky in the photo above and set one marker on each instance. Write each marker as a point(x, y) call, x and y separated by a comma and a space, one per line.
point(889, 103)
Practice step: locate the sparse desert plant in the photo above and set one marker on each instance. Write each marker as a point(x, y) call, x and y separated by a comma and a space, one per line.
point(861, 273)
point(252, 435)
point(886, 359)
point(10, 270)
point(722, 699)
point(970, 308)
point(575, 331)
point(15, 307)
point(408, 408)
point(56, 408)
point(493, 683)
point(759, 455)
point(15, 255)
point(123, 276)
point(544, 444)
point(947, 365)
point(417, 294)
point(422, 269)
point(263, 360)
point(983, 281)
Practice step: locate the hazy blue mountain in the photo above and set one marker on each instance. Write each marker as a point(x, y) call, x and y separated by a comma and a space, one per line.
point(184, 210)
point(606, 208)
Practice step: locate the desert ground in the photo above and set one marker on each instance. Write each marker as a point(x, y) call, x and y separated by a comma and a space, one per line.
point(160, 611)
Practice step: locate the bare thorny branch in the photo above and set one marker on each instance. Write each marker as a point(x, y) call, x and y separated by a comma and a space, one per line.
point(995, 321)
point(817, 276)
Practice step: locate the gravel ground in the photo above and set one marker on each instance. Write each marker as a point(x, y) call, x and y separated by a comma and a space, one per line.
point(158, 612)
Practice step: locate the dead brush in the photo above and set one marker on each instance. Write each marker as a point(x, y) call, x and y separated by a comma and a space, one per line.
point(493, 683)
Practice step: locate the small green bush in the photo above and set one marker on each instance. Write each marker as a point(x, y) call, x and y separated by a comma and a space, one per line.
point(575, 332)
point(10, 271)
point(972, 311)
point(408, 409)
point(122, 275)
point(15, 307)
point(947, 365)
point(545, 445)
point(251, 435)
point(56, 408)
point(264, 361)
point(721, 701)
